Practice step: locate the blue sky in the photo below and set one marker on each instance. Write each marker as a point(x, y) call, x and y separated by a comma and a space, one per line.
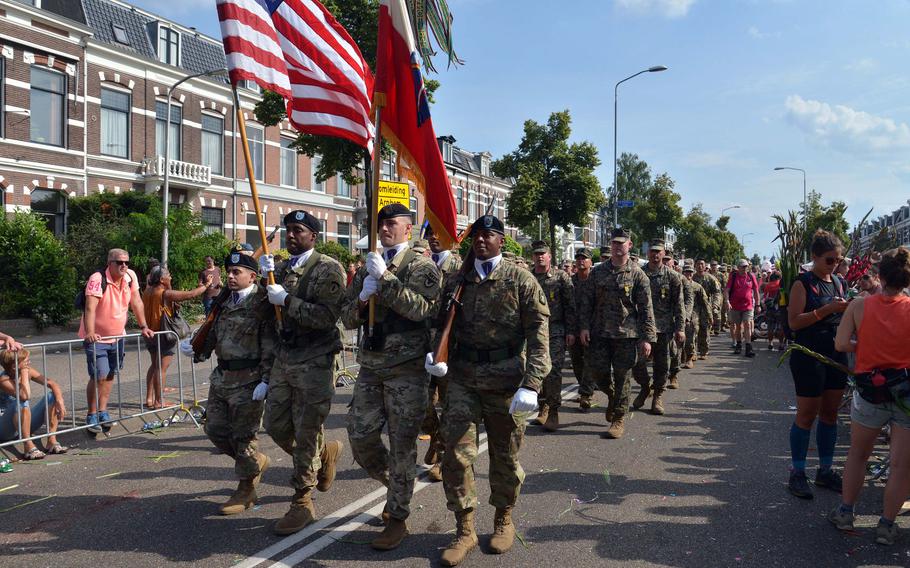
point(752, 84)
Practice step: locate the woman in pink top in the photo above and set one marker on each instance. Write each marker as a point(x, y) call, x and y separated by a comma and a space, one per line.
point(881, 324)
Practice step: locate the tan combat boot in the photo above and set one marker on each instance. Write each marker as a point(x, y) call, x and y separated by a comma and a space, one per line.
point(642, 397)
point(552, 423)
point(301, 514)
point(617, 428)
point(435, 473)
point(242, 499)
point(329, 457)
point(542, 415)
point(673, 383)
point(264, 462)
point(657, 405)
point(432, 455)
point(465, 539)
point(584, 402)
point(391, 536)
point(503, 531)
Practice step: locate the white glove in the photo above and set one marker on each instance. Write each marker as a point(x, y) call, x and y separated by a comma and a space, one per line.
point(435, 369)
point(375, 265)
point(525, 400)
point(261, 391)
point(266, 265)
point(277, 294)
point(186, 348)
point(370, 287)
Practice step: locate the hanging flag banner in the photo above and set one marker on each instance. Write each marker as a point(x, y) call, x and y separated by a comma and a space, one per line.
point(394, 192)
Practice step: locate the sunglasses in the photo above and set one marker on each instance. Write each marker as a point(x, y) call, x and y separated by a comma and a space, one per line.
point(829, 260)
point(121, 262)
point(867, 277)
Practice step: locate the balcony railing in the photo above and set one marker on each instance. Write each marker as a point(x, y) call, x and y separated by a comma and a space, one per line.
point(194, 174)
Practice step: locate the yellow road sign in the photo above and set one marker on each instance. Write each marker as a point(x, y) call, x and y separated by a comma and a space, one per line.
point(394, 192)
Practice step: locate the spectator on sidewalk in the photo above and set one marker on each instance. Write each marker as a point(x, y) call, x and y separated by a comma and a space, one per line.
point(816, 305)
point(159, 299)
point(881, 323)
point(211, 274)
point(741, 293)
point(103, 320)
point(869, 284)
point(15, 368)
point(7, 342)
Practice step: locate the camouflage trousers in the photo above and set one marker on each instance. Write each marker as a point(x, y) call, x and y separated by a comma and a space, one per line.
point(551, 392)
point(660, 354)
point(436, 397)
point(704, 329)
point(395, 397)
point(676, 350)
point(232, 420)
point(300, 398)
point(688, 350)
point(585, 385)
point(610, 363)
point(723, 318)
point(464, 410)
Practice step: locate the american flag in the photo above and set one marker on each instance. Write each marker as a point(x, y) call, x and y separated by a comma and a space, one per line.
point(298, 50)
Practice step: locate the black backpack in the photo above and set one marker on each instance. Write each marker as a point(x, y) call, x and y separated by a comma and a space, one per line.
point(79, 301)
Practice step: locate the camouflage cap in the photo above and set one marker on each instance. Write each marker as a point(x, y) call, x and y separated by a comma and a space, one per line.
point(540, 247)
point(656, 244)
point(420, 245)
point(688, 266)
point(604, 250)
point(620, 235)
point(584, 252)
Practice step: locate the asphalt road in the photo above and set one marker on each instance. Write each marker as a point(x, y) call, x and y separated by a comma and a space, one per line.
point(703, 485)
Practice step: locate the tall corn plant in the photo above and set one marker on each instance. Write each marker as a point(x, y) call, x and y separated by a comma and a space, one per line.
point(790, 235)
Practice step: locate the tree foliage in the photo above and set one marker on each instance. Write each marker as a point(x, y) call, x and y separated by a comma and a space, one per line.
point(633, 176)
point(552, 176)
point(656, 209)
point(511, 245)
point(697, 237)
point(38, 281)
point(831, 217)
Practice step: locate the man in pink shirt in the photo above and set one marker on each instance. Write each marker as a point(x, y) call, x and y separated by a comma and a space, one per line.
point(105, 316)
point(741, 293)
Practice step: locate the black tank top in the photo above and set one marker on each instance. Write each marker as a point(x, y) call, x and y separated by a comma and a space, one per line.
point(818, 294)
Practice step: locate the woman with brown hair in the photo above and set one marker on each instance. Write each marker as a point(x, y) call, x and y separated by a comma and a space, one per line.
point(817, 300)
point(159, 299)
point(881, 323)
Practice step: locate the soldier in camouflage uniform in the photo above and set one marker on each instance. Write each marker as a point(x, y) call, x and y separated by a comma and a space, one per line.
point(560, 294)
point(580, 280)
point(697, 310)
point(676, 347)
point(716, 314)
point(243, 339)
point(310, 290)
point(617, 324)
point(667, 301)
point(499, 356)
point(714, 292)
point(392, 386)
point(448, 264)
point(725, 307)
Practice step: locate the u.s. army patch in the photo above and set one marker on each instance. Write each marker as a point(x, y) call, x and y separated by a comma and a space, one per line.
point(235, 258)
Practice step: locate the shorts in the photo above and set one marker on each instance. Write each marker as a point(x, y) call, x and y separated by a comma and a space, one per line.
point(740, 316)
point(875, 416)
point(811, 377)
point(167, 344)
point(9, 421)
point(104, 359)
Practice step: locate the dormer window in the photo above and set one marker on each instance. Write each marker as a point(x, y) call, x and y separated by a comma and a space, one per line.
point(120, 34)
point(168, 46)
point(485, 166)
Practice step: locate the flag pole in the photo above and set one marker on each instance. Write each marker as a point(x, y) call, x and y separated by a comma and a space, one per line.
point(241, 122)
point(378, 103)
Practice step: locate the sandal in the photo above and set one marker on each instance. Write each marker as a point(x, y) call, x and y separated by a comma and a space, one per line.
point(57, 449)
point(33, 454)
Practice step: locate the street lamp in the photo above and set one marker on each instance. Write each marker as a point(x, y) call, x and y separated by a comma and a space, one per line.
point(805, 198)
point(655, 69)
point(742, 239)
point(167, 155)
point(725, 209)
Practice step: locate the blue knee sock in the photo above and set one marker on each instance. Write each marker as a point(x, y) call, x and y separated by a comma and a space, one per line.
point(799, 446)
point(826, 440)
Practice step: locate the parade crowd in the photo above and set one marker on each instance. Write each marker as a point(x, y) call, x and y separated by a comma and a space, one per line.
point(450, 344)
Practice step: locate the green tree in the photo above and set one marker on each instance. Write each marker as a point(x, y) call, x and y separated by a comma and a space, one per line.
point(511, 245)
point(656, 210)
point(831, 217)
point(336, 251)
point(698, 238)
point(552, 176)
point(756, 260)
point(633, 176)
point(38, 281)
point(338, 156)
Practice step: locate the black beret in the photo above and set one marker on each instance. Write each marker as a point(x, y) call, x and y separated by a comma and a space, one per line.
point(488, 223)
point(242, 260)
point(393, 210)
point(303, 218)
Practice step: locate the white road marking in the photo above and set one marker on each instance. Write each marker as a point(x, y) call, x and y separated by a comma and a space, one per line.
point(338, 533)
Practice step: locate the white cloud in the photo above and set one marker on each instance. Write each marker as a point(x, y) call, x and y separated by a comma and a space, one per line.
point(666, 8)
point(847, 129)
point(756, 33)
point(862, 65)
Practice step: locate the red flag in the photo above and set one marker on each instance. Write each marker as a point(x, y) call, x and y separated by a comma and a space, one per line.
point(406, 122)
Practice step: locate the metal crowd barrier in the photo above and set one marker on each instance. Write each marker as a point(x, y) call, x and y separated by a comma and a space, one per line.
point(190, 406)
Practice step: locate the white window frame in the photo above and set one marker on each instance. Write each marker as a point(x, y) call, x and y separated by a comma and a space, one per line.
point(340, 183)
point(203, 132)
point(65, 106)
point(168, 121)
point(165, 59)
point(129, 120)
point(316, 187)
point(260, 149)
point(287, 154)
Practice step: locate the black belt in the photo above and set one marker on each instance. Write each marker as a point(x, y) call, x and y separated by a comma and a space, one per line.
point(237, 364)
point(488, 356)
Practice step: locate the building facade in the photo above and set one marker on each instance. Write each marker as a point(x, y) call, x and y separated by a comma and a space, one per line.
point(897, 222)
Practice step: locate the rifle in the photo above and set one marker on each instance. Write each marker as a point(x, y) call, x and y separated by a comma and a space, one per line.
point(201, 336)
point(442, 349)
